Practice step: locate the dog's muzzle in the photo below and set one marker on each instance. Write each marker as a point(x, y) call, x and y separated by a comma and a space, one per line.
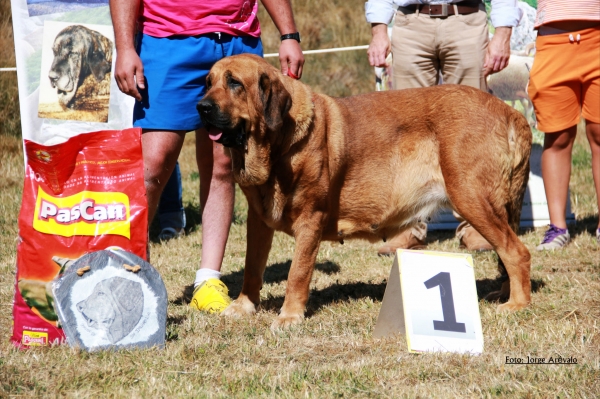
point(218, 126)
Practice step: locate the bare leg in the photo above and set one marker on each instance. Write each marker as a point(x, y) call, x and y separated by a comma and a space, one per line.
point(217, 193)
point(556, 172)
point(160, 150)
point(593, 135)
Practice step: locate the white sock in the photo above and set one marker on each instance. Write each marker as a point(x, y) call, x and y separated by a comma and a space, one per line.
point(204, 274)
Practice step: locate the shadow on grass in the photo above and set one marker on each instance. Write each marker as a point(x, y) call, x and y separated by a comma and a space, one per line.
point(588, 225)
point(487, 285)
point(172, 323)
point(375, 291)
point(335, 293)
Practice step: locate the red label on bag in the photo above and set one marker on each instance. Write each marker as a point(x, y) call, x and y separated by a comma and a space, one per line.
point(84, 195)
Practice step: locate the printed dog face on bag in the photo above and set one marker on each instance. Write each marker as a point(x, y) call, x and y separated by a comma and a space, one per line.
point(114, 307)
point(111, 299)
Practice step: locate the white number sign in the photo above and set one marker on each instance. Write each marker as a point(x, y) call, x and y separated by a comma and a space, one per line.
point(431, 297)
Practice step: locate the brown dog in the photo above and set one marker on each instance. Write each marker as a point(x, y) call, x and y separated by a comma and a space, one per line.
point(368, 166)
point(79, 53)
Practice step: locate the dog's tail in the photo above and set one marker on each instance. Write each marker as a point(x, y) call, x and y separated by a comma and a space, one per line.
point(519, 140)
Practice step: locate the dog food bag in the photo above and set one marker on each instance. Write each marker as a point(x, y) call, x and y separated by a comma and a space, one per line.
point(84, 195)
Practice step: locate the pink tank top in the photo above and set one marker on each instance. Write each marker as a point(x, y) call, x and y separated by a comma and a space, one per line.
point(162, 18)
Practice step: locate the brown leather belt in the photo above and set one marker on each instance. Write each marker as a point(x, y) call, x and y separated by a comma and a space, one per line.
point(445, 10)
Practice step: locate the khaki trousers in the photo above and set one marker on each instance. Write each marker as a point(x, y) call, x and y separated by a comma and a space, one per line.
point(425, 49)
point(428, 50)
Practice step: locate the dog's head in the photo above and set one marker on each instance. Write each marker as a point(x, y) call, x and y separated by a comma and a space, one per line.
point(114, 306)
point(252, 108)
point(78, 52)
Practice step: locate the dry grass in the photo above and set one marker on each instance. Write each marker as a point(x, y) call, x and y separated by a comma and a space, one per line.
point(332, 354)
point(10, 121)
point(329, 24)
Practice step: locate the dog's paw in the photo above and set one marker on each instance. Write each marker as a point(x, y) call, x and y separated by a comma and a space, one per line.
point(510, 306)
point(239, 308)
point(284, 321)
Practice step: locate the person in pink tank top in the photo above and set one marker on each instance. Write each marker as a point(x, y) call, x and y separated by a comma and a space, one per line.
point(165, 49)
point(162, 18)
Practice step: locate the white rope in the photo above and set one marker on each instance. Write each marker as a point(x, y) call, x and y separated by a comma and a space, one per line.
point(321, 51)
point(326, 50)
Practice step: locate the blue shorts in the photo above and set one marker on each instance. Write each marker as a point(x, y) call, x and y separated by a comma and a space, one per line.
point(175, 69)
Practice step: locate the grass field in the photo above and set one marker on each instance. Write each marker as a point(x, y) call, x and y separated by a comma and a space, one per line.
point(332, 354)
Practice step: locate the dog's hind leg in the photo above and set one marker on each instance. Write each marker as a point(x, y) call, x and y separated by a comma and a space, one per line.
point(516, 261)
point(520, 148)
point(258, 244)
point(492, 222)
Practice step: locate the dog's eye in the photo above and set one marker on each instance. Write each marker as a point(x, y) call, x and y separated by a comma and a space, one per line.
point(234, 84)
point(208, 83)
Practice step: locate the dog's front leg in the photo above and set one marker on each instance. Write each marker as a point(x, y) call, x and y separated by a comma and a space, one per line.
point(258, 244)
point(308, 238)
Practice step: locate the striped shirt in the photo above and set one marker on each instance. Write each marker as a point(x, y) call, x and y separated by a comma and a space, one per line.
point(567, 10)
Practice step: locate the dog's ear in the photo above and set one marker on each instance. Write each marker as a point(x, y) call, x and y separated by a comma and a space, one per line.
point(275, 99)
point(99, 55)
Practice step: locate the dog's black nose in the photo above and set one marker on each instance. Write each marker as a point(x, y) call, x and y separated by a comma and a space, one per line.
point(204, 106)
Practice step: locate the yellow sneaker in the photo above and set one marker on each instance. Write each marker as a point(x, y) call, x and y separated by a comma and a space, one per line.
point(212, 296)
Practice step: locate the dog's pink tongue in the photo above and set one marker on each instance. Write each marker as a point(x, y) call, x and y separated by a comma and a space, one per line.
point(215, 134)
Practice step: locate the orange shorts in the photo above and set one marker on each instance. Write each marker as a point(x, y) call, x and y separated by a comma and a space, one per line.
point(565, 79)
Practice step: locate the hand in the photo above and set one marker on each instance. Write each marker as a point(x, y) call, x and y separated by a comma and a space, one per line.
point(129, 73)
point(291, 58)
point(380, 45)
point(498, 51)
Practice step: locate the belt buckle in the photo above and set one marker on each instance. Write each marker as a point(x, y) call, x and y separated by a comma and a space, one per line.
point(444, 12)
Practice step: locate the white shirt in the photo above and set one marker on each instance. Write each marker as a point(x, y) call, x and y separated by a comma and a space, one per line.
point(504, 12)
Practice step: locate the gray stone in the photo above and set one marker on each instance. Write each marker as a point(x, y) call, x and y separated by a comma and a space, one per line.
point(111, 299)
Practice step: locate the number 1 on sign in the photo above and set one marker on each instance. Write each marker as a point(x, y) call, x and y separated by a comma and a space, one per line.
point(449, 323)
